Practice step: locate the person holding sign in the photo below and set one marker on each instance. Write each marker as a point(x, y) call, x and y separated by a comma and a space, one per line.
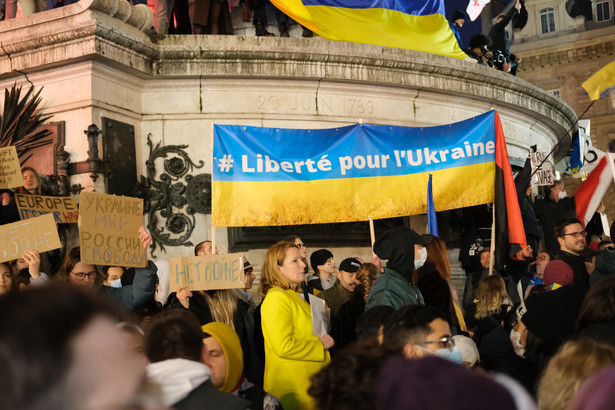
point(292, 352)
point(90, 277)
point(7, 279)
point(31, 186)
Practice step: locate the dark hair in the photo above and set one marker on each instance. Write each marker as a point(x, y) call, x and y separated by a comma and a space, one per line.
point(511, 318)
point(36, 330)
point(548, 252)
point(198, 247)
point(174, 334)
point(409, 324)
point(599, 304)
point(22, 277)
point(604, 244)
point(349, 381)
point(480, 40)
point(14, 286)
point(369, 322)
point(560, 228)
point(72, 258)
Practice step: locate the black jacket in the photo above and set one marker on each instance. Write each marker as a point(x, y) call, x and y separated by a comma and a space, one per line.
point(549, 213)
point(577, 263)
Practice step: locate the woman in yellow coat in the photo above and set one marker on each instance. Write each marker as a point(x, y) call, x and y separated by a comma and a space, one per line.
point(292, 352)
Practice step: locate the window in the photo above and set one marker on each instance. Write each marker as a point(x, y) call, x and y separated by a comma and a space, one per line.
point(547, 20)
point(554, 93)
point(603, 11)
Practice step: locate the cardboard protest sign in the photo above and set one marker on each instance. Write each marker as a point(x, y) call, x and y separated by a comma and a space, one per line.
point(544, 173)
point(207, 272)
point(40, 234)
point(63, 208)
point(10, 169)
point(109, 230)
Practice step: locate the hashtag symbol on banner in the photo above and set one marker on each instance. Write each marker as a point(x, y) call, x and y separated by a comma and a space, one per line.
point(225, 163)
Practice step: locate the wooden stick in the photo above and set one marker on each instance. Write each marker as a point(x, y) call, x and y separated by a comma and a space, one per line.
point(213, 226)
point(492, 248)
point(372, 234)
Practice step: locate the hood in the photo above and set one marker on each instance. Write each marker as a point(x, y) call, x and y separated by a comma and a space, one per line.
point(177, 378)
point(231, 346)
point(397, 247)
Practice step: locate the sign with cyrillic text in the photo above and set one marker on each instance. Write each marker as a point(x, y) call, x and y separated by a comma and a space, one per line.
point(109, 230)
point(275, 176)
point(40, 234)
point(10, 169)
point(207, 272)
point(63, 208)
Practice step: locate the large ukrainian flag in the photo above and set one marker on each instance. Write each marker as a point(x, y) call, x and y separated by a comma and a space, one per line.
point(411, 24)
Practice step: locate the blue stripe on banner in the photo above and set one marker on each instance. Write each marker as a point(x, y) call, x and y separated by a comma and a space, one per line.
point(416, 8)
point(244, 153)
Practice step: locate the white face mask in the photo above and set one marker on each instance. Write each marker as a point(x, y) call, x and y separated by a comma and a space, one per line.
point(116, 283)
point(562, 194)
point(515, 338)
point(418, 263)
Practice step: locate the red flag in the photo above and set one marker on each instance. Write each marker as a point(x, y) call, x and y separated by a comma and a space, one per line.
point(509, 232)
point(589, 194)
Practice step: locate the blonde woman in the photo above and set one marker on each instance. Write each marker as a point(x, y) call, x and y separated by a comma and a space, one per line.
point(292, 352)
point(576, 362)
point(491, 303)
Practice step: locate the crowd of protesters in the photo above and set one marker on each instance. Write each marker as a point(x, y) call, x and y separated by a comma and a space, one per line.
point(390, 333)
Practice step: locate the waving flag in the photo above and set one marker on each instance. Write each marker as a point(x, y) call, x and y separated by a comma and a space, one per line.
point(432, 221)
point(589, 194)
point(601, 83)
point(411, 24)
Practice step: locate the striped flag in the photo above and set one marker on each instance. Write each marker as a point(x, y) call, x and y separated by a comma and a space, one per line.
point(411, 24)
point(589, 194)
point(432, 221)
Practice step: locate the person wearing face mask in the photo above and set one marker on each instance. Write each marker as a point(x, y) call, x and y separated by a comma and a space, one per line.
point(114, 276)
point(419, 331)
point(405, 251)
point(554, 207)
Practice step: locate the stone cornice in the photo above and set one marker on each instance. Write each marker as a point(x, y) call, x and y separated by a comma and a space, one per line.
point(95, 30)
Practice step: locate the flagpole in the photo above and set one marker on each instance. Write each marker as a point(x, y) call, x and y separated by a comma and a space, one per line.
point(372, 234)
point(492, 248)
point(561, 139)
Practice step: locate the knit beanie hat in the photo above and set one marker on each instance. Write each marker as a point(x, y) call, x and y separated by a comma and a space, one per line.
point(319, 257)
point(458, 14)
point(605, 265)
point(435, 383)
point(552, 315)
point(559, 272)
point(228, 339)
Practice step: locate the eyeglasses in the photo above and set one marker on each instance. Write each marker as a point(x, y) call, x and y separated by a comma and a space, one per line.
point(576, 234)
point(446, 342)
point(82, 275)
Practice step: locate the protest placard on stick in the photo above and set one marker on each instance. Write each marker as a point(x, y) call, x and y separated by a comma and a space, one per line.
point(109, 230)
point(207, 272)
point(10, 169)
point(40, 234)
point(63, 208)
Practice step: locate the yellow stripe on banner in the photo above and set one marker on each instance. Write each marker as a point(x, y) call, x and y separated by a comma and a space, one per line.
point(601, 81)
point(383, 27)
point(249, 203)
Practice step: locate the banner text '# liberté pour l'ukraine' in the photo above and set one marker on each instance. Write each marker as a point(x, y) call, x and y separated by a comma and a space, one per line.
point(274, 176)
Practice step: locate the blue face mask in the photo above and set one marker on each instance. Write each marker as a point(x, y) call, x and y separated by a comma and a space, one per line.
point(454, 355)
point(116, 283)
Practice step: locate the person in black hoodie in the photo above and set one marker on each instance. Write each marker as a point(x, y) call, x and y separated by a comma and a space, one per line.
point(597, 315)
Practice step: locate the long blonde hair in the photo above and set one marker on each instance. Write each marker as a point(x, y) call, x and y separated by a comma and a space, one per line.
point(223, 305)
point(491, 294)
point(575, 362)
point(367, 275)
point(271, 277)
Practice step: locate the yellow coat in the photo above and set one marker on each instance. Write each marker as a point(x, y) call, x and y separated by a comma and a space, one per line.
point(292, 352)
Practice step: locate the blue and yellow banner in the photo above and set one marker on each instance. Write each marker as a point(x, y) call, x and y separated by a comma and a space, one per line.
point(601, 83)
point(276, 176)
point(410, 24)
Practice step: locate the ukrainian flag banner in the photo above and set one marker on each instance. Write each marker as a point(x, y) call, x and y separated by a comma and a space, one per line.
point(275, 176)
point(411, 24)
point(601, 83)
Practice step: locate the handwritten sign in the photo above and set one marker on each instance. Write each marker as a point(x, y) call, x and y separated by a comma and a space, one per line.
point(109, 230)
point(38, 233)
point(207, 272)
point(10, 170)
point(544, 174)
point(63, 208)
